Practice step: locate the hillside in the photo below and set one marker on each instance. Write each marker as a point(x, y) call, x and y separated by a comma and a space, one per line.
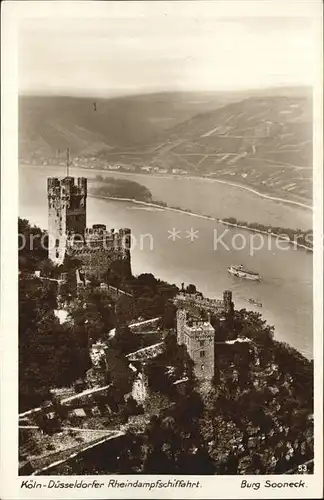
point(50, 124)
point(262, 139)
point(264, 142)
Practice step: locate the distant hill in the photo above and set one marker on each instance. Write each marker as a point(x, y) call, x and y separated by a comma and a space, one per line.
point(262, 141)
point(272, 128)
point(50, 124)
point(259, 138)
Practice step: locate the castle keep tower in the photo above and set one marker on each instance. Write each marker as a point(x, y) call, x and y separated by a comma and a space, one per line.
point(97, 247)
point(66, 213)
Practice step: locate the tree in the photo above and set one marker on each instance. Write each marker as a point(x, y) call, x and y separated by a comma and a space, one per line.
point(50, 354)
point(151, 296)
point(93, 315)
point(32, 245)
point(191, 289)
point(125, 340)
point(169, 316)
point(250, 324)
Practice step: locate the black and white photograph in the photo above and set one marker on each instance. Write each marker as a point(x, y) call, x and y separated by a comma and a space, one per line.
point(166, 248)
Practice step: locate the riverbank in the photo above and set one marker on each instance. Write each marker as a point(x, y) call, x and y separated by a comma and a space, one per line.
point(241, 186)
point(213, 180)
point(262, 195)
point(162, 205)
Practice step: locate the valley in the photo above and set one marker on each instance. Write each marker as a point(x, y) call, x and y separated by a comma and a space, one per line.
point(262, 142)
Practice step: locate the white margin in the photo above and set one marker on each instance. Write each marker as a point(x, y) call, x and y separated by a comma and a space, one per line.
point(214, 486)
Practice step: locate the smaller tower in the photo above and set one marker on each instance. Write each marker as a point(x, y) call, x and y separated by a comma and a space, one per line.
point(227, 299)
point(124, 242)
point(181, 322)
point(199, 337)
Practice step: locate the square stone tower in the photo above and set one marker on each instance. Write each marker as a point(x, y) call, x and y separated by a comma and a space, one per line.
point(199, 337)
point(67, 213)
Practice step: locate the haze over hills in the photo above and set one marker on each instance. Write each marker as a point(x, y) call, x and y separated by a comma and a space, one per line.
point(259, 138)
point(86, 125)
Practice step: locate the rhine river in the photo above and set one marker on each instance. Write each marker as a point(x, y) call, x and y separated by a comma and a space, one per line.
point(180, 247)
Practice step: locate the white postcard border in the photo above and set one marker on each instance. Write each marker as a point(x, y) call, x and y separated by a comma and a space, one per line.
point(211, 486)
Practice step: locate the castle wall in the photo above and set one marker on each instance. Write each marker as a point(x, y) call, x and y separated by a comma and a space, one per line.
point(99, 249)
point(96, 262)
point(195, 304)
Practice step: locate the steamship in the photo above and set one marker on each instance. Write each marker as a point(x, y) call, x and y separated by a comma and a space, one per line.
point(254, 302)
point(241, 272)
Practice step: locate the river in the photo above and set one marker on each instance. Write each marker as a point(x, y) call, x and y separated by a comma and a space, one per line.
point(180, 247)
point(210, 197)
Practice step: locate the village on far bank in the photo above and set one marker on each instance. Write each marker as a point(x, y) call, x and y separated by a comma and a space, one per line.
point(129, 374)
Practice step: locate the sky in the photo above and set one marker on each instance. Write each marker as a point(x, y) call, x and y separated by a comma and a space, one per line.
point(163, 47)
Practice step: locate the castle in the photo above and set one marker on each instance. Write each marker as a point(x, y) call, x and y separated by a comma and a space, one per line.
point(69, 236)
point(195, 331)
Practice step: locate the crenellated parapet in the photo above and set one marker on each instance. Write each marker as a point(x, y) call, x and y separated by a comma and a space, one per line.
point(66, 189)
point(195, 302)
point(100, 239)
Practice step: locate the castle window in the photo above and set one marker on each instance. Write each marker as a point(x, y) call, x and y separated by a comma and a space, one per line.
point(57, 254)
point(202, 354)
point(202, 343)
point(57, 242)
point(202, 367)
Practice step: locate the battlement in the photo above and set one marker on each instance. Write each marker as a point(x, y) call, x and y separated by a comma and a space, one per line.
point(98, 237)
point(187, 300)
point(66, 186)
point(198, 327)
point(97, 229)
point(197, 302)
